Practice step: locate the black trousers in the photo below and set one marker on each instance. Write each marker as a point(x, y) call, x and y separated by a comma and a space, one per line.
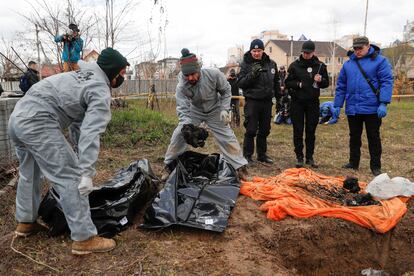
point(305, 116)
point(372, 127)
point(257, 121)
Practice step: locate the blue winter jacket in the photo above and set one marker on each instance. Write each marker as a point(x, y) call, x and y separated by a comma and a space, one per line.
point(353, 87)
point(72, 49)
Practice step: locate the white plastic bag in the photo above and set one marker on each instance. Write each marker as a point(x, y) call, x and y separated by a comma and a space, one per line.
point(383, 187)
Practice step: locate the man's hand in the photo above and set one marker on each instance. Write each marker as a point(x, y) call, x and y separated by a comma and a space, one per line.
point(317, 78)
point(256, 69)
point(382, 110)
point(332, 121)
point(225, 117)
point(85, 186)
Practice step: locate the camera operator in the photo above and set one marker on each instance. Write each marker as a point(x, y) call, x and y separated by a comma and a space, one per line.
point(72, 46)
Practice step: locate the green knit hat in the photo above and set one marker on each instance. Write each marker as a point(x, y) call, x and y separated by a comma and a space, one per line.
point(111, 62)
point(189, 62)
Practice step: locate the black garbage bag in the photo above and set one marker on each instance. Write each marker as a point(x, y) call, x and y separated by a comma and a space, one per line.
point(113, 205)
point(200, 192)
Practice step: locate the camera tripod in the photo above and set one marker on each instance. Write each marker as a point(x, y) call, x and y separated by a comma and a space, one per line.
point(152, 100)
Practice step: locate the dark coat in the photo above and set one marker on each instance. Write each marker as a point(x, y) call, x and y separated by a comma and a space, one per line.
point(303, 71)
point(234, 86)
point(266, 85)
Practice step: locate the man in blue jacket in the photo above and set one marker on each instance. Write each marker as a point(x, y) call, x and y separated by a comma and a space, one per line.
point(72, 46)
point(327, 114)
point(366, 83)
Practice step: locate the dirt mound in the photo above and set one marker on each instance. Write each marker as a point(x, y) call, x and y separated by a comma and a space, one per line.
point(331, 246)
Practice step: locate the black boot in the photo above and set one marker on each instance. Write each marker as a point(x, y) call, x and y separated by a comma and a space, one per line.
point(265, 159)
point(311, 163)
point(299, 163)
point(350, 166)
point(249, 159)
point(376, 171)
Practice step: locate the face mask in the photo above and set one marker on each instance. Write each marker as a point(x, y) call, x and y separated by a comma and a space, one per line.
point(118, 81)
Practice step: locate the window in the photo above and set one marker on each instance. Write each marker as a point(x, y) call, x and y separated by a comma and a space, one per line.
point(327, 60)
point(270, 49)
point(340, 60)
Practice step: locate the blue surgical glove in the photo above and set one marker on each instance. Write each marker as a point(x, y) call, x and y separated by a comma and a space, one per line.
point(336, 112)
point(382, 110)
point(332, 121)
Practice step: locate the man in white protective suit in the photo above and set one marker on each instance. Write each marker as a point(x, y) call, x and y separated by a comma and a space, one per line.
point(204, 95)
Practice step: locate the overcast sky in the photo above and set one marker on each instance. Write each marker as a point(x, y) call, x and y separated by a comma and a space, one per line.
point(209, 28)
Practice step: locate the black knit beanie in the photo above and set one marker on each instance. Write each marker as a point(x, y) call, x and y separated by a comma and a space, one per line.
point(256, 44)
point(189, 62)
point(111, 62)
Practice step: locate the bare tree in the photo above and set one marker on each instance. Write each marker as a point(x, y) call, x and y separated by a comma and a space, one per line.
point(401, 58)
point(52, 20)
point(9, 62)
point(115, 20)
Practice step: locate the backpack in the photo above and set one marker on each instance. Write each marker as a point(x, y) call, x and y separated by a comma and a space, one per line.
point(25, 83)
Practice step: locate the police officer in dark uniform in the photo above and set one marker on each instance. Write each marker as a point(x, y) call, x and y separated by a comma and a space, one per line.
point(259, 79)
point(306, 76)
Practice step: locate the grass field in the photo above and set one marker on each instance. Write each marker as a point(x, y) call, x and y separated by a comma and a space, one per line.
point(252, 245)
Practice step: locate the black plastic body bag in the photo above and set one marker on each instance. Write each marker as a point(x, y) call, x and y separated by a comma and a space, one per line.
point(200, 192)
point(113, 205)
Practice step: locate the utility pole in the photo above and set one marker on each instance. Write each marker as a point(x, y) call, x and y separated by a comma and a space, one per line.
point(334, 22)
point(291, 48)
point(366, 15)
point(38, 51)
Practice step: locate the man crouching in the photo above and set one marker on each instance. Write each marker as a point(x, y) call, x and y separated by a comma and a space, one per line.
point(204, 95)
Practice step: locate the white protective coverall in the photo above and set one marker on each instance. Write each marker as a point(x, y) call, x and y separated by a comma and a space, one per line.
point(35, 126)
point(203, 102)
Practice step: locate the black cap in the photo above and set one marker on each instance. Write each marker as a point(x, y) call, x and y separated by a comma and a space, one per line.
point(360, 41)
point(111, 62)
point(308, 46)
point(256, 44)
point(73, 27)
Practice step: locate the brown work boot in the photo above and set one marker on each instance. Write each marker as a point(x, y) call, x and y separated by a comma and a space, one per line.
point(165, 173)
point(26, 229)
point(93, 245)
point(243, 173)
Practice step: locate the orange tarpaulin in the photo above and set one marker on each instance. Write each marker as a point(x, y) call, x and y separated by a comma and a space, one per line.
point(285, 195)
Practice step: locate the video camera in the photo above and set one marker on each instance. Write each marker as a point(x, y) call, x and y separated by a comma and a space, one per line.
point(70, 34)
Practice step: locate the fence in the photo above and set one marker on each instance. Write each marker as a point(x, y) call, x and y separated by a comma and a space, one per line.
point(10, 85)
point(129, 86)
point(6, 147)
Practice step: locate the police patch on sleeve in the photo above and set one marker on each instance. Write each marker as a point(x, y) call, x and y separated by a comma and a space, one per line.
point(273, 71)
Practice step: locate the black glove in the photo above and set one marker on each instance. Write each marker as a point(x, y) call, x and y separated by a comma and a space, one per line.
point(256, 68)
